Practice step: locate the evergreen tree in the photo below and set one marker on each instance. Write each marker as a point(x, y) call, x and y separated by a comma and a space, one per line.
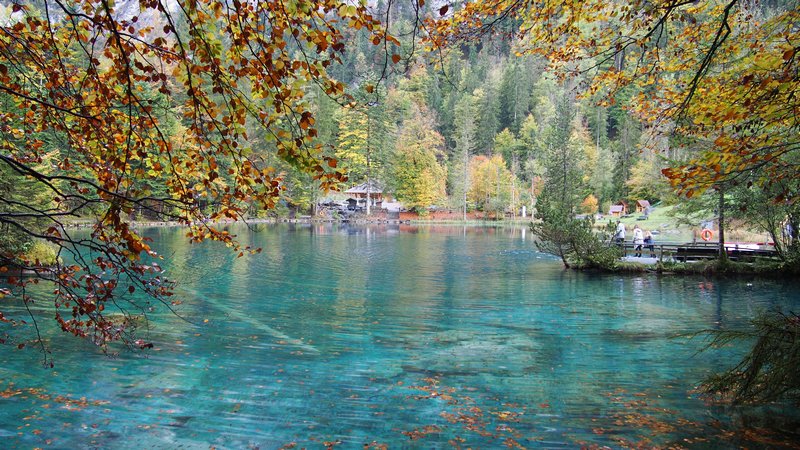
point(559, 231)
point(563, 178)
point(515, 95)
point(465, 129)
point(434, 94)
point(488, 121)
point(624, 132)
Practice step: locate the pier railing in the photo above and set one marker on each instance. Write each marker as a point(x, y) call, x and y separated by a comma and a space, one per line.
point(695, 251)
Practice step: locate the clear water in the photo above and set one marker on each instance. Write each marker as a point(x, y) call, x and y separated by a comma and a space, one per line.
point(429, 337)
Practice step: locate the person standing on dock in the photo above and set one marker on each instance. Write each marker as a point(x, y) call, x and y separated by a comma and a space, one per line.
point(619, 235)
point(648, 241)
point(638, 240)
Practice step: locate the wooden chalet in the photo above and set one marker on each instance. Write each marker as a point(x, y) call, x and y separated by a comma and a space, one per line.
point(618, 210)
point(358, 193)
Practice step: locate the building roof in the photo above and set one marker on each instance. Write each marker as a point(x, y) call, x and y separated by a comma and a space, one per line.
point(374, 188)
point(616, 208)
point(643, 203)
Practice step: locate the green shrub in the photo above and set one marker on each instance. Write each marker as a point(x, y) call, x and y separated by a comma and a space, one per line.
point(40, 253)
point(575, 242)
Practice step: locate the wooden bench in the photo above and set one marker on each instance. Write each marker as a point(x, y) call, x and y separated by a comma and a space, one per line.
point(695, 253)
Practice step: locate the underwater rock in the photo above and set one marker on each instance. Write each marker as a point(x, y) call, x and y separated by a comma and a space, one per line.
point(180, 421)
point(470, 354)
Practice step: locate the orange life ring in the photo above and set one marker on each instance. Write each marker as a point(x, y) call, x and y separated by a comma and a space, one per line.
point(706, 234)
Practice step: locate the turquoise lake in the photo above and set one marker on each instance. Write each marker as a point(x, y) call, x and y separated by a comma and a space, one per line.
point(428, 337)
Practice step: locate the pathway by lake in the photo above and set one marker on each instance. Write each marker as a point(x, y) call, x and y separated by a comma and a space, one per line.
point(413, 337)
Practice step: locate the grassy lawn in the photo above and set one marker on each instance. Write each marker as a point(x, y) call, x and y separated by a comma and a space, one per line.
point(659, 220)
point(673, 232)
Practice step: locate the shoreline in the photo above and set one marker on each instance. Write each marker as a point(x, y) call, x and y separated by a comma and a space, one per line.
point(308, 220)
point(711, 267)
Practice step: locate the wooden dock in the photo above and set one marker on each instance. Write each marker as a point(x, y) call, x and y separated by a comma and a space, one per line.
point(698, 251)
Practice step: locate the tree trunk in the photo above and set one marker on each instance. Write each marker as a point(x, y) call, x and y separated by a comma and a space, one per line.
point(514, 193)
point(369, 161)
point(314, 201)
point(564, 259)
point(466, 179)
point(722, 254)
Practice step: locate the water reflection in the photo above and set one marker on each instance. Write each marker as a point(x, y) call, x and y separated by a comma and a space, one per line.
point(359, 334)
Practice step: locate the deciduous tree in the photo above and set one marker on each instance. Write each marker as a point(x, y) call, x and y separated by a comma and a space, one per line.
point(491, 184)
point(88, 75)
point(418, 171)
point(722, 73)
